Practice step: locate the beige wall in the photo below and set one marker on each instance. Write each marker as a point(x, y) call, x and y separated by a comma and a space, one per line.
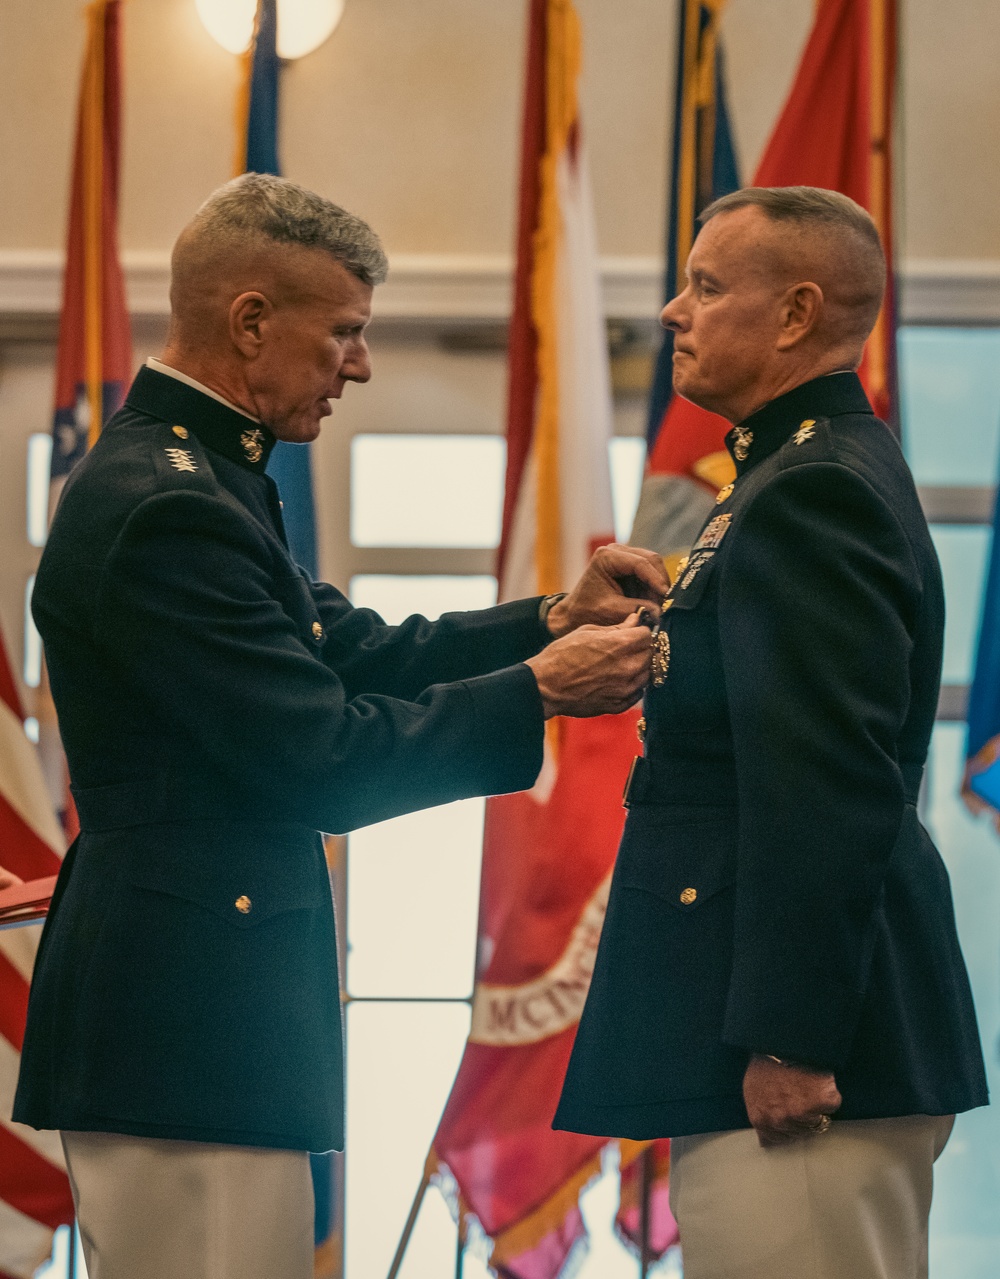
point(409, 115)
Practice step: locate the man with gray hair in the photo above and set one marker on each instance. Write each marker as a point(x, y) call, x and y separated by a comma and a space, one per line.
point(779, 985)
point(219, 709)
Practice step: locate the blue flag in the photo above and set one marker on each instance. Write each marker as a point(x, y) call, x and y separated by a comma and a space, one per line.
point(703, 166)
point(291, 464)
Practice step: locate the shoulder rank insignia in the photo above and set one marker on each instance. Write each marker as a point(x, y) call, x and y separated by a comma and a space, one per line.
point(742, 439)
point(181, 459)
point(806, 431)
point(715, 530)
point(253, 444)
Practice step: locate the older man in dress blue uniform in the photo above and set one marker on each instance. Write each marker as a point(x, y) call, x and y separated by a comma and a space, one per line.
point(218, 710)
point(779, 985)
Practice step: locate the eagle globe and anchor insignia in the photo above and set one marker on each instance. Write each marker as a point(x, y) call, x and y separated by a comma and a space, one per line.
point(253, 445)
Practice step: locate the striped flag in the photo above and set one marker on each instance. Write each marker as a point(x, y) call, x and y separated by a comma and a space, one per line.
point(94, 366)
point(688, 463)
point(34, 1190)
point(548, 853)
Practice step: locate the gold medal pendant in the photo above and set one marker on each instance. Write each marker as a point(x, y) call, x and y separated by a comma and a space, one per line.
point(661, 658)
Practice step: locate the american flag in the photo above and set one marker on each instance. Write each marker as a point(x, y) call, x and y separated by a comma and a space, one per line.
point(34, 1190)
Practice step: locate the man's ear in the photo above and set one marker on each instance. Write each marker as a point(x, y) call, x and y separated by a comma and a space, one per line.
point(801, 308)
point(248, 317)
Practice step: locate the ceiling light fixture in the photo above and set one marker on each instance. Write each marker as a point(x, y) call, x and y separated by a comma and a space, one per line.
point(303, 25)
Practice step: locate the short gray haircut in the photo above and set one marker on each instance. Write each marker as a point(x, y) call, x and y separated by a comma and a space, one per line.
point(806, 206)
point(272, 208)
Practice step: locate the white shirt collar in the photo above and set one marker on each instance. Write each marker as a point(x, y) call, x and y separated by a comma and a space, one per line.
point(159, 367)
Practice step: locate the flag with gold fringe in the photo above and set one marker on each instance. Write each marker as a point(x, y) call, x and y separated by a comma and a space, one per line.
point(94, 360)
point(548, 853)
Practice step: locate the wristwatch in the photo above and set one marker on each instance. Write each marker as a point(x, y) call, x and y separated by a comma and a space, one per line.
point(546, 606)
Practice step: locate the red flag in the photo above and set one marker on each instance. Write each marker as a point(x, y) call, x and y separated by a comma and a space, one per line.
point(836, 131)
point(34, 1190)
point(548, 853)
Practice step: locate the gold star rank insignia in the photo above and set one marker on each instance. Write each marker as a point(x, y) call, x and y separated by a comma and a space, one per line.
point(253, 445)
point(742, 439)
point(806, 431)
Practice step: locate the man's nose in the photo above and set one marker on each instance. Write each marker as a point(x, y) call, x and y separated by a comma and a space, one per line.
point(672, 316)
point(358, 365)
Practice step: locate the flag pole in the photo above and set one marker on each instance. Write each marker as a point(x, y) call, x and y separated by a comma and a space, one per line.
point(411, 1221)
point(460, 1247)
point(646, 1169)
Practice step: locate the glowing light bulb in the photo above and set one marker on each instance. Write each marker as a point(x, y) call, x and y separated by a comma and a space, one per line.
point(303, 25)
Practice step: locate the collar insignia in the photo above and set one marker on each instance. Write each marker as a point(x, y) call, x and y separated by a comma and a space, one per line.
point(253, 445)
point(806, 431)
point(742, 439)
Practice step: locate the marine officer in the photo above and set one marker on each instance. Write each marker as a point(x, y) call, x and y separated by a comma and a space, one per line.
point(218, 709)
point(779, 985)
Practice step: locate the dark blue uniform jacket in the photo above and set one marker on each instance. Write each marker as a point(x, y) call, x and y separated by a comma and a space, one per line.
point(218, 709)
point(775, 891)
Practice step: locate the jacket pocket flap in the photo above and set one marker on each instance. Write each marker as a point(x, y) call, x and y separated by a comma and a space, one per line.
point(242, 875)
point(684, 863)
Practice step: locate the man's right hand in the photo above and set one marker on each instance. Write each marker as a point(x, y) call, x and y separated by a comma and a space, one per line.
point(595, 670)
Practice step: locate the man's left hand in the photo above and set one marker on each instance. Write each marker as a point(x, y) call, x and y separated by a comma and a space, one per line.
point(785, 1101)
point(617, 582)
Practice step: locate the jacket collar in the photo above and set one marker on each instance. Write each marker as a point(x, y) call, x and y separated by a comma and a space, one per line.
point(765, 431)
point(218, 427)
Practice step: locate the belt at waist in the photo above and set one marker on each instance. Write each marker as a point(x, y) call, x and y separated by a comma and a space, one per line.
point(152, 801)
point(683, 781)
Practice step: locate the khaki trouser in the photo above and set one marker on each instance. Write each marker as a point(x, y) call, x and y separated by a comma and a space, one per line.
point(850, 1203)
point(154, 1209)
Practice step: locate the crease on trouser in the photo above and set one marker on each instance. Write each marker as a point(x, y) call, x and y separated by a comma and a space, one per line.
point(161, 1209)
point(852, 1203)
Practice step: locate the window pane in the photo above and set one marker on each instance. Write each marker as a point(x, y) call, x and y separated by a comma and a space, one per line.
point(426, 490)
point(950, 384)
point(32, 641)
point(401, 1062)
point(965, 1224)
point(627, 455)
point(413, 901)
point(396, 597)
point(39, 468)
point(964, 554)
